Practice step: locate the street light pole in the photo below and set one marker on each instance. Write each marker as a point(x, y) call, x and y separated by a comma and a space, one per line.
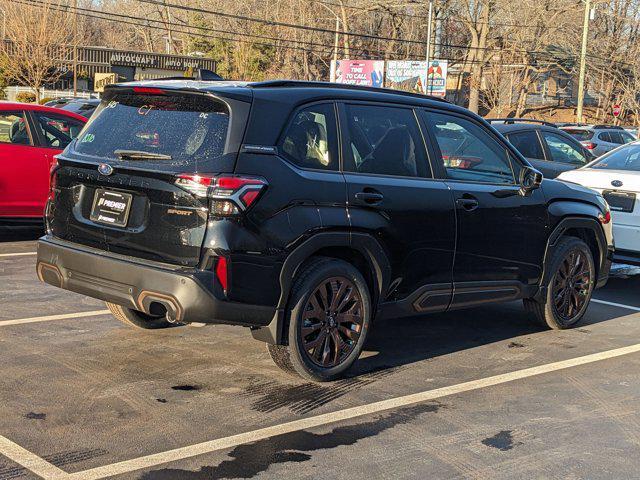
point(428, 55)
point(75, 48)
point(583, 60)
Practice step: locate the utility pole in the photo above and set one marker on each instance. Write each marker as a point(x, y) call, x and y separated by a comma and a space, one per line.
point(335, 51)
point(428, 55)
point(75, 48)
point(583, 60)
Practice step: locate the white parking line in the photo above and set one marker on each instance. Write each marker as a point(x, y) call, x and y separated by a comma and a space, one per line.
point(18, 254)
point(620, 305)
point(341, 415)
point(30, 461)
point(49, 318)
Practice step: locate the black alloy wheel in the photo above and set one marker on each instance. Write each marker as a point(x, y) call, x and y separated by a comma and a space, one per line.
point(332, 322)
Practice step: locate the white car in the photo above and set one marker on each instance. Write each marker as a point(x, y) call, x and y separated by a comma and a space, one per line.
point(617, 176)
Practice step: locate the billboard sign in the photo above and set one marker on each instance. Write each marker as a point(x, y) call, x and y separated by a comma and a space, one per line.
point(407, 75)
point(437, 78)
point(367, 73)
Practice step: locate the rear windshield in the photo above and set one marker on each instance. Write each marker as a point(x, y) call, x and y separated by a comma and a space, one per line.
point(580, 135)
point(168, 129)
point(625, 158)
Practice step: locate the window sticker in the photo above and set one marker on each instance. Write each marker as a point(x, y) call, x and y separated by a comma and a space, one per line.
point(88, 138)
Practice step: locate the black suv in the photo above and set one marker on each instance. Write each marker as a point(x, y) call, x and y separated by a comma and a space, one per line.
point(545, 146)
point(305, 210)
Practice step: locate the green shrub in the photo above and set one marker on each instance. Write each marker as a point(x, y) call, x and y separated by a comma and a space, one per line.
point(26, 97)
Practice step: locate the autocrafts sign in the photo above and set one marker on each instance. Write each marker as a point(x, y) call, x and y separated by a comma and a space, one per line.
point(368, 73)
point(131, 59)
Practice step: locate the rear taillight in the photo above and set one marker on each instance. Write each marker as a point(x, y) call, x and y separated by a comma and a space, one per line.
point(589, 145)
point(606, 218)
point(221, 270)
point(53, 179)
point(148, 90)
point(229, 194)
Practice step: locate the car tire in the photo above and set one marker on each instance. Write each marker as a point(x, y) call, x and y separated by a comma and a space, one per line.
point(569, 280)
point(329, 315)
point(135, 318)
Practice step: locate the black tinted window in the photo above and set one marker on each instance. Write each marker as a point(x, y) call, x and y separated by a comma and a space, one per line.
point(185, 129)
point(528, 144)
point(605, 137)
point(469, 152)
point(385, 140)
point(616, 137)
point(310, 141)
point(58, 130)
point(14, 129)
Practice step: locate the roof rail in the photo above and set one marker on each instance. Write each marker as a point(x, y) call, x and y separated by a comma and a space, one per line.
point(200, 74)
point(607, 127)
point(509, 121)
point(341, 86)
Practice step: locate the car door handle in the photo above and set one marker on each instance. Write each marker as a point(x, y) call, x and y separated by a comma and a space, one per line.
point(369, 197)
point(468, 203)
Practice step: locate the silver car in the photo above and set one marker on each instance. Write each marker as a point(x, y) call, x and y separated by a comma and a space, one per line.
point(600, 139)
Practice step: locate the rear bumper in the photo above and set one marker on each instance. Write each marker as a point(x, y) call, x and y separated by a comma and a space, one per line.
point(137, 285)
point(628, 257)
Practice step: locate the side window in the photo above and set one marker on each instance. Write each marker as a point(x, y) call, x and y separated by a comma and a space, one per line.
point(58, 130)
point(14, 129)
point(562, 151)
point(605, 137)
point(310, 140)
point(528, 144)
point(627, 137)
point(469, 152)
point(616, 138)
point(385, 140)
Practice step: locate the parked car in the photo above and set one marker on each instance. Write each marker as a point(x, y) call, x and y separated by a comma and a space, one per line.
point(30, 135)
point(600, 139)
point(617, 176)
point(246, 204)
point(82, 106)
point(549, 149)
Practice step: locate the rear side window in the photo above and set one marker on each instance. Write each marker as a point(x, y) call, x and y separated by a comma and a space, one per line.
point(616, 137)
point(176, 129)
point(14, 129)
point(385, 140)
point(580, 135)
point(469, 153)
point(528, 144)
point(605, 137)
point(310, 140)
point(58, 130)
point(562, 151)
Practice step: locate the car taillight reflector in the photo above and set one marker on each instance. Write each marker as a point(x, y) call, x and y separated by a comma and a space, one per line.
point(221, 273)
point(606, 218)
point(589, 145)
point(229, 194)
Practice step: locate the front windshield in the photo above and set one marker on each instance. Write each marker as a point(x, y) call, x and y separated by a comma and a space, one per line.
point(626, 158)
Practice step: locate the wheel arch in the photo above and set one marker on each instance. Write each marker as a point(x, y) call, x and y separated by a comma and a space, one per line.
point(585, 227)
point(362, 250)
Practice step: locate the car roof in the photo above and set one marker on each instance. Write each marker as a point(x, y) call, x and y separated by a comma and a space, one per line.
point(293, 91)
point(34, 107)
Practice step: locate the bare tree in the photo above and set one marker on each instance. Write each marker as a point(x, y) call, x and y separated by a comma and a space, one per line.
point(37, 43)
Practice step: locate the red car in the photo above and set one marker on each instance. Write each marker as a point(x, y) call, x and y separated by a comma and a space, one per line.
point(30, 135)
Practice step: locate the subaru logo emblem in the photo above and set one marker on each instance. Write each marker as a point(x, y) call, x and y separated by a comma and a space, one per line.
point(616, 183)
point(105, 169)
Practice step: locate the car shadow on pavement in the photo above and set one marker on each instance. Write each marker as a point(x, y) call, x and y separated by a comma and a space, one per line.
point(22, 233)
point(399, 342)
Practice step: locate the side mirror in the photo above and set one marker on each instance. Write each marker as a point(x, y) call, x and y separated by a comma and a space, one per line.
point(530, 179)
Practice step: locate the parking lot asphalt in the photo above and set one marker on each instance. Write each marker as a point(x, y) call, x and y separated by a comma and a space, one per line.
point(481, 393)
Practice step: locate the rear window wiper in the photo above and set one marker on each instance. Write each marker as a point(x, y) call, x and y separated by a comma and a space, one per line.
point(140, 155)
